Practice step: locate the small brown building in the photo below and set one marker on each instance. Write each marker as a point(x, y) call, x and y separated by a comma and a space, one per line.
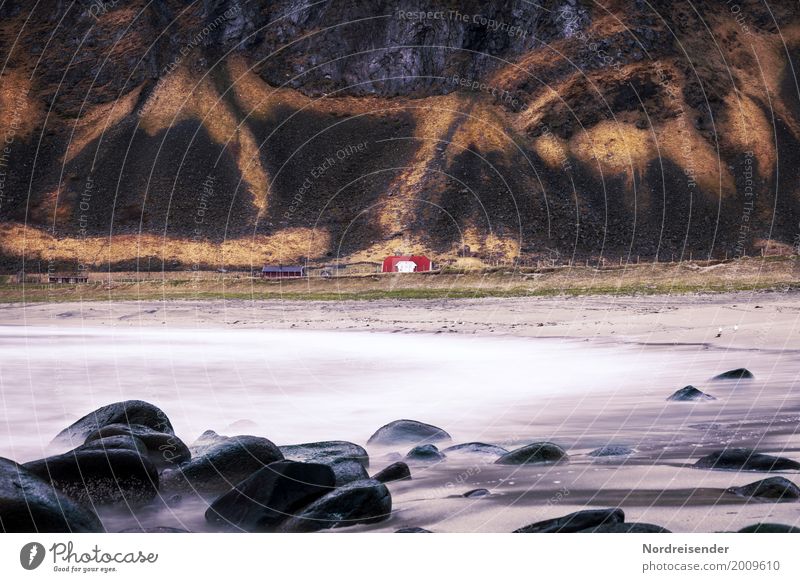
point(280, 272)
point(67, 278)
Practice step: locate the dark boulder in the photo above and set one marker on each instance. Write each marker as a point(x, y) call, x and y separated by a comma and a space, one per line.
point(127, 412)
point(534, 453)
point(476, 493)
point(99, 476)
point(223, 465)
point(626, 528)
point(770, 528)
point(476, 449)
point(395, 472)
point(425, 454)
point(347, 471)
point(737, 374)
point(612, 451)
point(412, 530)
point(272, 494)
point(326, 452)
point(29, 504)
point(164, 449)
point(115, 442)
point(745, 460)
point(773, 489)
point(408, 432)
point(689, 394)
point(574, 522)
point(367, 501)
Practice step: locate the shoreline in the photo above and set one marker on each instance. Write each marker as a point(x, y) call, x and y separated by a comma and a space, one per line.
point(740, 320)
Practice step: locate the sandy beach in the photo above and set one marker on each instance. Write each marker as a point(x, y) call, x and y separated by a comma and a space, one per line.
point(763, 320)
point(582, 372)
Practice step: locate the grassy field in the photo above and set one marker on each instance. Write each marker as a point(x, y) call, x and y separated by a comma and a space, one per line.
point(771, 273)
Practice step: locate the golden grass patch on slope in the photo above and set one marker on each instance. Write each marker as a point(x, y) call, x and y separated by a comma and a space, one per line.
point(614, 146)
point(285, 246)
point(435, 121)
point(489, 244)
point(680, 141)
point(748, 129)
point(98, 119)
point(181, 96)
point(760, 66)
point(260, 100)
point(553, 150)
point(483, 128)
point(21, 113)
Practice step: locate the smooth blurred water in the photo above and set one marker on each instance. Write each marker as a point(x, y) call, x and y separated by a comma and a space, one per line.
point(301, 386)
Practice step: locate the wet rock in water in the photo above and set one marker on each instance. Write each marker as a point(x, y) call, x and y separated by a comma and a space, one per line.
point(412, 530)
point(367, 501)
point(425, 454)
point(326, 452)
point(29, 504)
point(745, 460)
point(769, 528)
point(205, 441)
point(534, 453)
point(476, 493)
point(737, 374)
point(773, 489)
point(154, 529)
point(395, 472)
point(115, 442)
point(347, 471)
point(690, 394)
point(164, 449)
point(574, 522)
point(632, 527)
point(223, 465)
point(100, 476)
point(476, 449)
point(612, 451)
point(126, 412)
point(271, 495)
point(408, 432)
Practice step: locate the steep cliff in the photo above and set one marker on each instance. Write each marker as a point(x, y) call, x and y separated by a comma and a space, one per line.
point(229, 132)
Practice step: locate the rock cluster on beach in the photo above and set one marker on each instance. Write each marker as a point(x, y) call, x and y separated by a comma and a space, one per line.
point(126, 455)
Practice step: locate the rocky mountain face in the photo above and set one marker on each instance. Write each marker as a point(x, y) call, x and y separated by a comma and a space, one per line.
point(233, 132)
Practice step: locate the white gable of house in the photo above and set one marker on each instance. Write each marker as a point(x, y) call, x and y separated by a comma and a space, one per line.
point(406, 266)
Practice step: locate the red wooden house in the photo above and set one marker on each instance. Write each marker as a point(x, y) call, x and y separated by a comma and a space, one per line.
point(406, 264)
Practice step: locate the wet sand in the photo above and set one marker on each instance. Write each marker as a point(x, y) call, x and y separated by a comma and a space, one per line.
point(587, 372)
